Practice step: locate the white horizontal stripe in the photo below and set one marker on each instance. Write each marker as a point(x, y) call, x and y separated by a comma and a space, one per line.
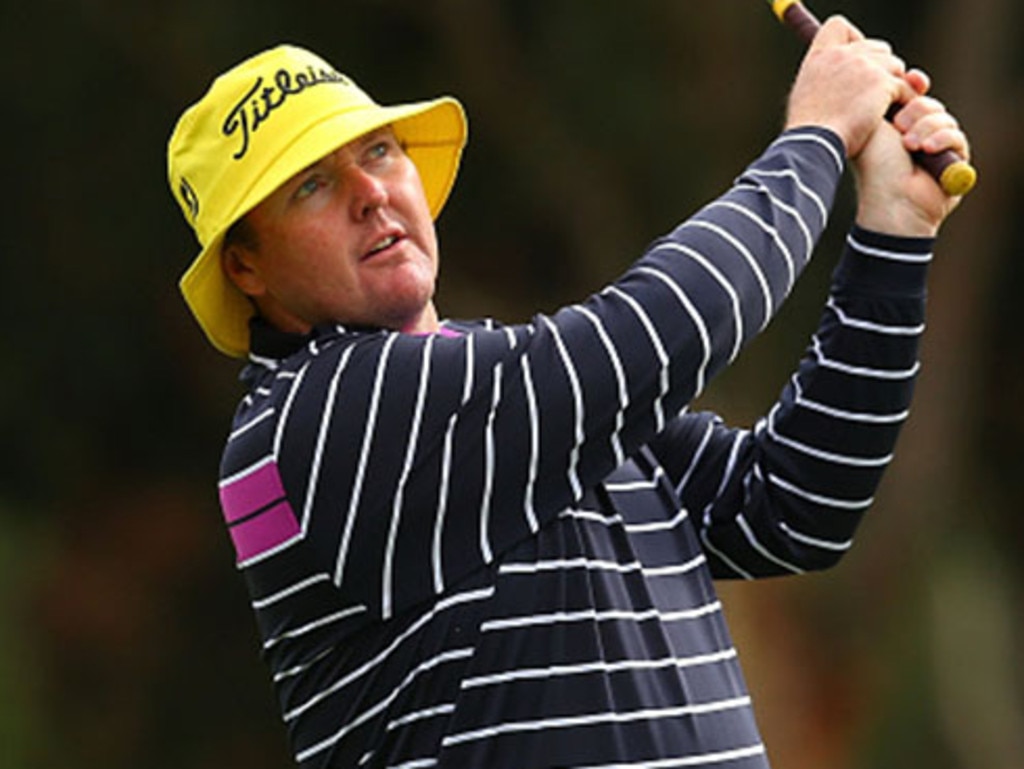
point(445, 709)
point(262, 417)
point(867, 325)
point(676, 569)
point(560, 564)
point(633, 528)
point(569, 722)
point(818, 499)
point(824, 544)
point(420, 763)
point(828, 456)
point(592, 615)
point(658, 526)
point(299, 669)
point(863, 371)
point(246, 472)
point(849, 416)
point(623, 488)
point(602, 666)
point(798, 137)
point(287, 592)
point(309, 627)
point(703, 759)
point(267, 363)
point(593, 564)
point(268, 554)
point(894, 256)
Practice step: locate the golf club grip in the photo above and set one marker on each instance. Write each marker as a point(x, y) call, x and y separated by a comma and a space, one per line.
point(954, 174)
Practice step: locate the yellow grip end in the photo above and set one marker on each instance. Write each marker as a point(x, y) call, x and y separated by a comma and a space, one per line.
point(781, 6)
point(958, 178)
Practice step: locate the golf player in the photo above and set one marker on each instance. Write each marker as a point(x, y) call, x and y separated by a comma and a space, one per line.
point(478, 545)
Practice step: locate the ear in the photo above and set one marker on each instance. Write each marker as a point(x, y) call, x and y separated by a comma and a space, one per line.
point(238, 264)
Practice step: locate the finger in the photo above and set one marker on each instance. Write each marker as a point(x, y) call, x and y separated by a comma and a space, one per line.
point(947, 139)
point(902, 92)
point(919, 80)
point(937, 133)
point(916, 109)
point(837, 30)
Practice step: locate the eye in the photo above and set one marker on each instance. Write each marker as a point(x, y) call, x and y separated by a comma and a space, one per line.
point(308, 187)
point(379, 149)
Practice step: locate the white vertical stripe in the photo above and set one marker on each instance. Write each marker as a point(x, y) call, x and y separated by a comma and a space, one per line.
point(574, 384)
point(318, 450)
point(364, 458)
point(659, 349)
point(488, 491)
point(286, 410)
point(620, 379)
point(533, 466)
point(446, 468)
point(387, 587)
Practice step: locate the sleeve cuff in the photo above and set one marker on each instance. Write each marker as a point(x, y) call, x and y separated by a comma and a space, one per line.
point(876, 263)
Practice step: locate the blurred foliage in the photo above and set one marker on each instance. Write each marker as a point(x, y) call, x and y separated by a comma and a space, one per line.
point(127, 640)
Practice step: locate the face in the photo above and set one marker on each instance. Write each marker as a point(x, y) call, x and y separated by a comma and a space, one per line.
point(348, 240)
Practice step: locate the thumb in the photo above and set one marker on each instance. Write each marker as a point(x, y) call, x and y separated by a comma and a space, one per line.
point(837, 30)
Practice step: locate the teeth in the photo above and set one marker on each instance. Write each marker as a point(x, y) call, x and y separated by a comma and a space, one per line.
point(384, 243)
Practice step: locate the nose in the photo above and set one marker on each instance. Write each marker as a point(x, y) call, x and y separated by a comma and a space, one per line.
point(368, 192)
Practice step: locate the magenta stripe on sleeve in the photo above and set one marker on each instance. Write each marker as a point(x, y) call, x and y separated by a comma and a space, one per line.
point(264, 532)
point(244, 496)
point(257, 512)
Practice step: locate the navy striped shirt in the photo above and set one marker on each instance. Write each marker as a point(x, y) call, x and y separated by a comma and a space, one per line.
point(494, 546)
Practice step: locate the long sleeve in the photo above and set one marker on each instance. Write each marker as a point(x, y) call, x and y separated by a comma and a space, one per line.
point(787, 496)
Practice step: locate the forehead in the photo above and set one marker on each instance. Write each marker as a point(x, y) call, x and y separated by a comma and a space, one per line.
point(354, 146)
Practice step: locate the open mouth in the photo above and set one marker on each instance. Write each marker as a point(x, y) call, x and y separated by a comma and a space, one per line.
point(382, 245)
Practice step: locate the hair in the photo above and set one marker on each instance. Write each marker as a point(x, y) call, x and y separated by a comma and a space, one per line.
point(241, 233)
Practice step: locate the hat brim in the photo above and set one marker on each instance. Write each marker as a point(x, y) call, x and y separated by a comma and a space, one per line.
point(433, 133)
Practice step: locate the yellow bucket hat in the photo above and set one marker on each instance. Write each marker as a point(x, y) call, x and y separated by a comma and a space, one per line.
point(259, 124)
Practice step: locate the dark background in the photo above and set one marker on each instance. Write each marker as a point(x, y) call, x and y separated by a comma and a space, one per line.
point(125, 636)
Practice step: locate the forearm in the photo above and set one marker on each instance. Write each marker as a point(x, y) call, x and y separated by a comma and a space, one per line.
point(788, 496)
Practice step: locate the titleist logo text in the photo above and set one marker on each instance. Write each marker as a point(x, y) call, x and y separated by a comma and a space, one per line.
point(259, 103)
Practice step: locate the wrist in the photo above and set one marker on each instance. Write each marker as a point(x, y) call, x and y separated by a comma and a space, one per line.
point(885, 210)
point(895, 220)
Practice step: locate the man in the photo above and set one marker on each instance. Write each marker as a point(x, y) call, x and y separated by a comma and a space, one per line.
point(478, 545)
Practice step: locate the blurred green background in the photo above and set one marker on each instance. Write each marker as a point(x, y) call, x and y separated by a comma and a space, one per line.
point(125, 636)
